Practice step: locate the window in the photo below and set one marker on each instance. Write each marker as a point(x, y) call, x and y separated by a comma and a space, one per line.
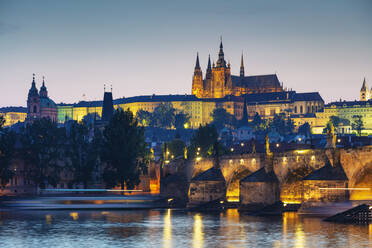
point(295, 110)
point(301, 109)
point(35, 109)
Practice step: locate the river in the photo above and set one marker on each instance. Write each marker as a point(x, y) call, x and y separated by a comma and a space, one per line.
point(174, 228)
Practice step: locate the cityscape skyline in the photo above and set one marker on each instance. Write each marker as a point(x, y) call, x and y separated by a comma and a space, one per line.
point(155, 49)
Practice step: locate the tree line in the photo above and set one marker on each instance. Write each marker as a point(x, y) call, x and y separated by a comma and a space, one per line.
point(115, 153)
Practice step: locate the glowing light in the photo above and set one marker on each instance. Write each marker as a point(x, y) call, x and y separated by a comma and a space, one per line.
point(232, 149)
point(253, 161)
point(197, 153)
point(230, 161)
point(186, 125)
point(277, 145)
point(300, 139)
point(48, 218)
point(338, 140)
point(241, 161)
point(313, 157)
point(170, 199)
point(284, 204)
point(199, 149)
point(301, 151)
point(166, 161)
point(198, 159)
point(105, 213)
point(221, 202)
point(74, 215)
point(242, 144)
point(172, 156)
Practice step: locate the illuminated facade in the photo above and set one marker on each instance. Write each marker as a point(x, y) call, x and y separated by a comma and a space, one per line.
point(219, 82)
point(13, 115)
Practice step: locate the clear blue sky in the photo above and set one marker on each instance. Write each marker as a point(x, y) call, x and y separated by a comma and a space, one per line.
point(146, 47)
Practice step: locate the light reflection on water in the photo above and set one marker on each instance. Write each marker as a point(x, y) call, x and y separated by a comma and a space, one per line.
point(174, 228)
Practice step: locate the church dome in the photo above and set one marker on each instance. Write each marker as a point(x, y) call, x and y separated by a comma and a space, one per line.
point(46, 102)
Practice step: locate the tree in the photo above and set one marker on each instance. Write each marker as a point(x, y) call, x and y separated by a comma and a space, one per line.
point(305, 129)
point(221, 119)
point(81, 152)
point(337, 121)
point(7, 150)
point(281, 124)
point(43, 145)
point(90, 119)
point(180, 119)
point(2, 122)
point(258, 124)
point(144, 117)
point(358, 124)
point(202, 141)
point(124, 150)
point(176, 147)
point(163, 115)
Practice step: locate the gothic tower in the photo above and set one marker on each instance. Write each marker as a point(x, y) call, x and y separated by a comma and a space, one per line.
point(364, 91)
point(221, 84)
point(33, 102)
point(197, 80)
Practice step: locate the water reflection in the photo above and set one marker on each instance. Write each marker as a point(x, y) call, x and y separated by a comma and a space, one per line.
point(198, 234)
point(167, 230)
point(174, 228)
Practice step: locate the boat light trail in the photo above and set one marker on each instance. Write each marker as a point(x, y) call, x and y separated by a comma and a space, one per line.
point(344, 188)
point(93, 190)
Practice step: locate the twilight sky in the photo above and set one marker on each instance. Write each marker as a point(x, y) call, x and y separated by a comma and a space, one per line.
point(146, 47)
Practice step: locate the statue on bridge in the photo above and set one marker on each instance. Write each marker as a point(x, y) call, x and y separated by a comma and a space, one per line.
point(331, 136)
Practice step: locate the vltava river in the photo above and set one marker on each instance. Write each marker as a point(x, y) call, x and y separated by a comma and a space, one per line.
point(173, 228)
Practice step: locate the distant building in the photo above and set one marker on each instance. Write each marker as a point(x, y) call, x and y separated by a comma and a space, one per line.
point(13, 115)
point(39, 105)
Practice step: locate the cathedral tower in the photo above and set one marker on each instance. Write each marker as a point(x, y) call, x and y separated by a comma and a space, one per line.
point(197, 80)
point(364, 91)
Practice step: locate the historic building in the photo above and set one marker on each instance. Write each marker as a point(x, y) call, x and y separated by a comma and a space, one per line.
point(218, 81)
point(39, 105)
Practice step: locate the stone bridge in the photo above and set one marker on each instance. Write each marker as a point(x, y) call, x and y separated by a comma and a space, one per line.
point(290, 167)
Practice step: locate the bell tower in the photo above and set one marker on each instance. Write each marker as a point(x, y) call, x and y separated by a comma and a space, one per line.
point(33, 101)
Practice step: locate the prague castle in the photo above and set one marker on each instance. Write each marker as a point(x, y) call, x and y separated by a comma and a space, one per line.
point(262, 94)
point(218, 81)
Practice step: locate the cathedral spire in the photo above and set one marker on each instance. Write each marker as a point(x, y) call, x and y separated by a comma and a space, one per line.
point(209, 68)
point(221, 57)
point(197, 65)
point(364, 85)
point(242, 67)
